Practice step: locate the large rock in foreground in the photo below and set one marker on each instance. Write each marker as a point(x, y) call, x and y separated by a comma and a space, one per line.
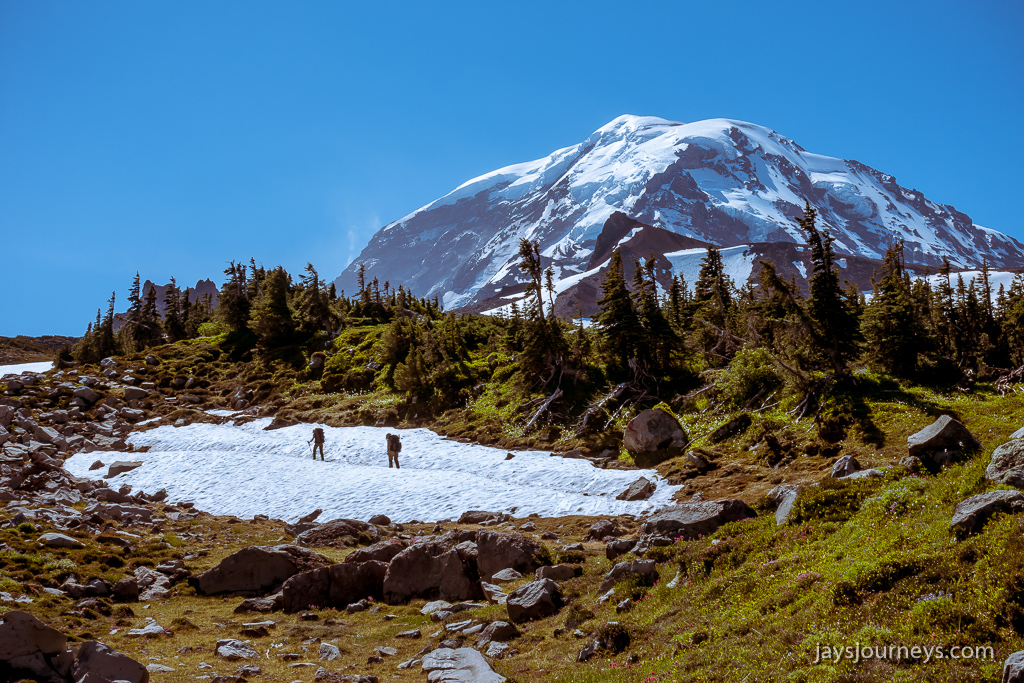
point(31, 649)
point(511, 550)
point(1007, 464)
point(652, 436)
point(1013, 668)
point(534, 600)
point(257, 569)
point(432, 569)
point(336, 586)
point(99, 662)
point(970, 515)
point(691, 520)
point(944, 441)
point(464, 665)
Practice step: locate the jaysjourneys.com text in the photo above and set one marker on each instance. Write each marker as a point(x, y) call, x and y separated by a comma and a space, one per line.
point(925, 653)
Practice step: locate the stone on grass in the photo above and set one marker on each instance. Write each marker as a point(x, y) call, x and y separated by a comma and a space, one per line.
point(844, 466)
point(645, 571)
point(462, 665)
point(534, 600)
point(506, 576)
point(971, 514)
point(99, 662)
point(496, 551)
point(1007, 464)
point(690, 520)
point(329, 652)
point(258, 568)
point(234, 650)
point(784, 497)
point(945, 440)
point(559, 572)
point(55, 540)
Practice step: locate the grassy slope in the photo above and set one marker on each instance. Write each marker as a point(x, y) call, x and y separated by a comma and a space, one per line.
point(752, 606)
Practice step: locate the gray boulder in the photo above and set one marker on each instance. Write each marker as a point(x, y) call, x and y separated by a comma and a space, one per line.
point(844, 466)
point(511, 550)
point(691, 520)
point(122, 466)
point(431, 569)
point(641, 489)
point(500, 631)
point(534, 600)
point(602, 529)
point(99, 662)
point(644, 570)
point(1013, 668)
point(234, 650)
point(619, 547)
point(87, 395)
point(126, 589)
point(945, 440)
point(338, 533)
point(864, 474)
point(153, 585)
point(329, 652)
point(493, 593)
point(382, 551)
point(559, 572)
point(506, 576)
point(652, 431)
point(462, 665)
point(336, 586)
point(31, 649)
point(55, 540)
point(257, 569)
point(784, 497)
point(970, 515)
point(135, 394)
point(1007, 464)
point(480, 516)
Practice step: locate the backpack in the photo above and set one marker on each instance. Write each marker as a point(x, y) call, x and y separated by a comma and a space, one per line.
point(318, 434)
point(396, 444)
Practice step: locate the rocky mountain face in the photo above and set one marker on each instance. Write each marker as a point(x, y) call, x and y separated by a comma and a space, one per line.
point(732, 184)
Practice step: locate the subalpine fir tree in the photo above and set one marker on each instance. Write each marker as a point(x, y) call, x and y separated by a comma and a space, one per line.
point(835, 331)
point(233, 303)
point(271, 319)
point(150, 329)
point(173, 325)
point(618, 325)
point(892, 331)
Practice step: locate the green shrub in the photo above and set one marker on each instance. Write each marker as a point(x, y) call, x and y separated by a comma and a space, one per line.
point(211, 328)
point(832, 501)
point(751, 371)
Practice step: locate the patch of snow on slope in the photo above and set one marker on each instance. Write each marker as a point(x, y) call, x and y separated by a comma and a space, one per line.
point(736, 261)
point(243, 470)
point(19, 368)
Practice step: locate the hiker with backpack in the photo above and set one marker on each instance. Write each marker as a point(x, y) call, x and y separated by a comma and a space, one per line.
point(394, 448)
point(318, 442)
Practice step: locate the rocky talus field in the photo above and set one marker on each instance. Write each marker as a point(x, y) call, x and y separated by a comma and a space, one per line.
point(908, 535)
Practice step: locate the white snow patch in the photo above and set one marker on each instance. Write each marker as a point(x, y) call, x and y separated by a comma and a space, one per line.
point(243, 470)
point(19, 368)
point(737, 262)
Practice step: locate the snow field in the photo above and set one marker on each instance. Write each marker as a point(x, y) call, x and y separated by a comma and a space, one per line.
point(242, 470)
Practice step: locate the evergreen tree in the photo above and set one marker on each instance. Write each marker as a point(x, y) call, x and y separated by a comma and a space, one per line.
point(835, 328)
point(271, 318)
point(233, 305)
point(892, 330)
point(172, 312)
point(150, 331)
point(617, 321)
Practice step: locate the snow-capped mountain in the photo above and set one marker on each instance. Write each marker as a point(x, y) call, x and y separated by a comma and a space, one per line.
point(719, 181)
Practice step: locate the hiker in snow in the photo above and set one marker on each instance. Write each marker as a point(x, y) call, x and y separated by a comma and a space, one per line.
point(394, 447)
point(318, 442)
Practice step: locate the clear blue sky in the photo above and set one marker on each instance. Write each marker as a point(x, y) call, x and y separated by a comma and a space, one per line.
point(171, 137)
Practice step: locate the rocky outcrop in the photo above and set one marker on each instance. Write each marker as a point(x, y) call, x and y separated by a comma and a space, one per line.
point(691, 520)
point(602, 529)
point(944, 441)
point(432, 569)
point(496, 551)
point(1007, 464)
point(971, 514)
point(257, 569)
point(336, 586)
point(31, 649)
point(383, 551)
point(99, 662)
point(534, 600)
point(1013, 668)
point(784, 497)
